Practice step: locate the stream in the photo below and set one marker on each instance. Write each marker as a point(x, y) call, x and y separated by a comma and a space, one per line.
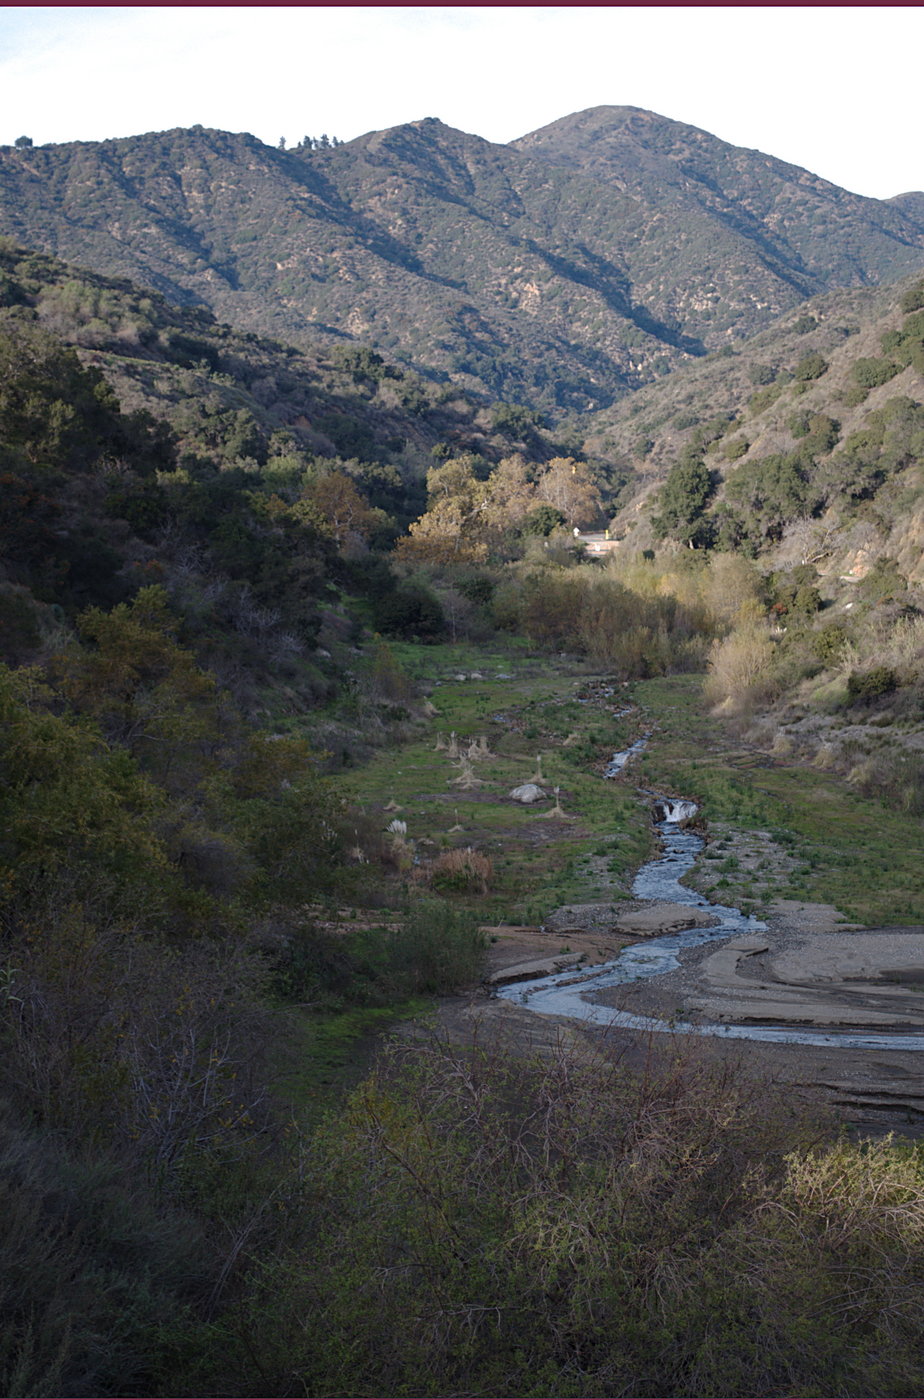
point(572, 992)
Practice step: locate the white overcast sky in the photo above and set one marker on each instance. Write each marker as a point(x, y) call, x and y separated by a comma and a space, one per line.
point(836, 89)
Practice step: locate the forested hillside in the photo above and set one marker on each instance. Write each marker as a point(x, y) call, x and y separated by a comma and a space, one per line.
point(147, 444)
point(559, 272)
point(804, 440)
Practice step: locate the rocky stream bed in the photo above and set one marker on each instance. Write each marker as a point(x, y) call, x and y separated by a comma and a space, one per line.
point(832, 1010)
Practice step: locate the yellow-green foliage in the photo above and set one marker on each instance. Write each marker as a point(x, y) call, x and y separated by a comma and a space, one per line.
point(70, 807)
point(740, 668)
point(577, 1229)
point(592, 612)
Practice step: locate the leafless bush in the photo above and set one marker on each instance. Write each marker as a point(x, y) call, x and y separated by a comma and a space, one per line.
point(249, 618)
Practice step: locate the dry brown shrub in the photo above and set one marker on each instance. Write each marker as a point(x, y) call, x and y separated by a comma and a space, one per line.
point(462, 870)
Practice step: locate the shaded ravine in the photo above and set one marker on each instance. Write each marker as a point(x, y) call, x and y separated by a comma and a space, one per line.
point(572, 993)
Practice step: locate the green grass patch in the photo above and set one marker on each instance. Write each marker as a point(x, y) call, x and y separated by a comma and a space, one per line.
point(327, 1054)
point(534, 723)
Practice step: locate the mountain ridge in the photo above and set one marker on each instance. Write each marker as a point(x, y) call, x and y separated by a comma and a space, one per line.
point(563, 270)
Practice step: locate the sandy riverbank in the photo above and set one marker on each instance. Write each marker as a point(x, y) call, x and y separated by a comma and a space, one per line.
point(809, 969)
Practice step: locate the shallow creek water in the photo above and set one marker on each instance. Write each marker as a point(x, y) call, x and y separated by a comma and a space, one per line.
point(572, 993)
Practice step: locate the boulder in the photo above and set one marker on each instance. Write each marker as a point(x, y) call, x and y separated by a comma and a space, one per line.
point(527, 792)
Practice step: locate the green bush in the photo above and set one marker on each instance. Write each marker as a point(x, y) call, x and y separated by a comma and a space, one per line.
point(907, 345)
point(817, 431)
point(683, 497)
point(854, 395)
point(436, 950)
point(830, 642)
point(794, 592)
point(759, 403)
point(761, 374)
point(542, 521)
point(810, 367)
point(884, 581)
point(913, 299)
point(870, 373)
point(865, 686)
point(410, 610)
point(514, 420)
point(432, 950)
point(734, 449)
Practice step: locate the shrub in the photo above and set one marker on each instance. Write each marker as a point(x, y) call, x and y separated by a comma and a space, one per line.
point(411, 610)
point(387, 678)
point(913, 299)
point(735, 449)
point(884, 581)
point(478, 588)
point(810, 367)
point(95, 1283)
point(907, 345)
point(854, 395)
point(513, 420)
point(431, 951)
point(818, 432)
point(739, 668)
point(761, 374)
point(683, 498)
point(869, 685)
point(436, 949)
point(462, 871)
point(560, 1227)
point(758, 403)
point(870, 373)
point(895, 779)
point(542, 521)
point(793, 592)
point(830, 643)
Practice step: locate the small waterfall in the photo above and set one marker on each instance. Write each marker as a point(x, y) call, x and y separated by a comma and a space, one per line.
point(674, 810)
